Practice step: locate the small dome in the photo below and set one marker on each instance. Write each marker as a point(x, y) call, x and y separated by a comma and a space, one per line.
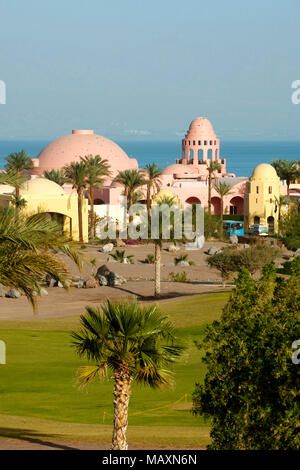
point(201, 128)
point(41, 187)
point(264, 171)
point(178, 168)
point(164, 193)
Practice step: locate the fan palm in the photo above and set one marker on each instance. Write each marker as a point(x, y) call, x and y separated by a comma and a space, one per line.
point(58, 176)
point(129, 344)
point(223, 189)
point(287, 170)
point(17, 162)
point(76, 174)
point(213, 166)
point(97, 170)
point(153, 182)
point(131, 180)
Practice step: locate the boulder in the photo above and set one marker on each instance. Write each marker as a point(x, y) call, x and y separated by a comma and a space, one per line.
point(246, 245)
point(297, 253)
point(13, 294)
point(91, 283)
point(2, 290)
point(102, 271)
point(107, 248)
point(114, 279)
point(212, 250)
point(103, 281)
point(51, 281)
point(173, 248)
point(80, 283)
point(59, 284)
point(183, 263)
point(43, 292)
point(233, 239)
point(125, 261)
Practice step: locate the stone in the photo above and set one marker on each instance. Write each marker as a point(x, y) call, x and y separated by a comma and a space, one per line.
point(103, 281)
point(246, 245)
point(107, 248)
point(102, 271)
point(173, 248)
point(51, 281)
point(233, 239)
point(43, 292)
point(59, 284)
point(91, 283)
point(114, 279)
point(125, 261)
point(13, 294)
point(297, 253)
point(183, 263)
point(212, 250)
point(80, 283)
point(2, 290)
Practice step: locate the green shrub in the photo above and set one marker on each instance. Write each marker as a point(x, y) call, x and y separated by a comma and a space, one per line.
point(150, 258)
point(178, 277)
point(183, 258)
point(119, 256)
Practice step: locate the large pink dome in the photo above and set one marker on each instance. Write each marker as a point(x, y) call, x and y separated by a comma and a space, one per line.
point(80, 143)
point(201, 128)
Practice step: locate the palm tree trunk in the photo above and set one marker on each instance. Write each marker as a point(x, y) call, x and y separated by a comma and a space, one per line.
point(121, 401)
point(79, 192)
point(148, 201)
point(209, 194)
point(93, 221)
point(157, 268)
point(222, 211)
point(129, 206)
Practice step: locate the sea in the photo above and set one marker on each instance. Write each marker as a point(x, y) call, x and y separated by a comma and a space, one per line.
point(242, 156)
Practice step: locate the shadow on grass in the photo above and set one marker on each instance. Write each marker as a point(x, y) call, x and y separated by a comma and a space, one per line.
point(29, 435)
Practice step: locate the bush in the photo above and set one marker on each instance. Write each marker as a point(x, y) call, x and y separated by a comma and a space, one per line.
point(178, 277)
point(183, 258)
point(292, 243)
point(150, 258)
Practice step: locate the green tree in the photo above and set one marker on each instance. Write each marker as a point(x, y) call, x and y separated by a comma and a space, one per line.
point(128, 343)
point(212, 168)
point(251, 387)
point(223, 189)
point(131, 180)
point(17, 162)
point(76, 174)
point(58, 176)
point(97, 170)
point(287, 170)
point(153, 173)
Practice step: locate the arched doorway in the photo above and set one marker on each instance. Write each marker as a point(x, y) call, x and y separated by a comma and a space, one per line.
point(237, 205)
point(270, 222)
point(193, 200)
point(256, 220)
point(216, 205)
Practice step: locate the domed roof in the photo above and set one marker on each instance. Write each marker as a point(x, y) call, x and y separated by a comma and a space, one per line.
point(41, 187)
point(264, 171)
point(177, 168)
point(201, 127)
point(164, 193)
point(80, 143)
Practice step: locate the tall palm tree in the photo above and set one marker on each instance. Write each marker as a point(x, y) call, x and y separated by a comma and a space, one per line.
point(129, 344)
point(58, 176)
point(17, 162)
point(76, 174)
point(97, 170)
point(287, 170)
point(223, 189)
point(131, 180)
point(212, 167)
point(153, 173)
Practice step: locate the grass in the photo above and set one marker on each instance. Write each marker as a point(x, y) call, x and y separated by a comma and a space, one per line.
point(39, 382)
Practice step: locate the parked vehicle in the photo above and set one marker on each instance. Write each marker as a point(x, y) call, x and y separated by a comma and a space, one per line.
point(258, 229)
point(232, 227)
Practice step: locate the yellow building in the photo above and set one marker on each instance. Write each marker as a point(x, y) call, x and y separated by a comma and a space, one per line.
point(43, 195)
point(261, 198)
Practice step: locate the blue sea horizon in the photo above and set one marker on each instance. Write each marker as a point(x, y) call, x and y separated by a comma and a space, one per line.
point(242, 156)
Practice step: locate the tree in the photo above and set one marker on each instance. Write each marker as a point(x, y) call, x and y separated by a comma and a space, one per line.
point(131, 180)
point(97, 170)
point(58, 176)
point(153, 183)
point(287, 170)
point(223, 189)
point(18, 162)
point(289, 228)
point(76, 174)
point(251, 387)
point(129, 344)
point(213, 166)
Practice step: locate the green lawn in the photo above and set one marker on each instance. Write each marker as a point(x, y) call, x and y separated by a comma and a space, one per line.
point(39, 379)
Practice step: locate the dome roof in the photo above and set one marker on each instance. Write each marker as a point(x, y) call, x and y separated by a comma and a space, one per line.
point(162, 194)
point(80, 143)
point(201, 128)
point(264, 171)
point(41, 187)
point(178, 168)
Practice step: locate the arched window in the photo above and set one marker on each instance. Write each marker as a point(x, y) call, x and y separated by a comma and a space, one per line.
point(270, 189)
point(256, 220)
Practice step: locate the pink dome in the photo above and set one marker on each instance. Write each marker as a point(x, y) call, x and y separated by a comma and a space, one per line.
point(201, 128)
point(177, 168)
point(80, 143)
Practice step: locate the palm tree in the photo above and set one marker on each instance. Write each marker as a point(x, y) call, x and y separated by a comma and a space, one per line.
point(223, 189)
point(76, 174)
point(18, 162)
point(97, 170)
point(153, 183)
point(58, 176)
point(287, 170)
point(131, 180)
point(213, 166)
point(128, 343)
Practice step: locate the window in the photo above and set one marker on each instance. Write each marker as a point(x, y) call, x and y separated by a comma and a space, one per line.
point(210, 142)
point(257, 189)
point(233, 210)
point(194, 142)
point(270, 189)
point(205, 142)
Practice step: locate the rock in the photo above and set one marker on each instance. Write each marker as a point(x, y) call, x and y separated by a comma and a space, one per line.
point(233, 239)
point(51, 281)
point(183, 263)
point(125, 261)
point(91, 283)
point(114, 279)
point(102, 271)
point(2, 290)
point(170, 265)
point(212, 250)
point(13, 294)
point(297, 253)
point(173, 248)
point(80, 283)
point(59, 284)
point(107, 248)
point(103, 281)
point(43, 292)
point(246, 245)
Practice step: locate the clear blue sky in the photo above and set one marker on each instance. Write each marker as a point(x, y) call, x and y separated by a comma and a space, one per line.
point(145, 69)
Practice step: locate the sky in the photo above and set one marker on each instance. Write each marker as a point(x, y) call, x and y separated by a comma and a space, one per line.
point(144, 69)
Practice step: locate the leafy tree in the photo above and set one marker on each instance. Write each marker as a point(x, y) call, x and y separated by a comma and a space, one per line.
point(212, 168)
point(251, 387)
point(97, 170)
point(131, 180)
point(153, 173)
point(127, 343)
point(287, 170)
point(289, 228)
point(76, 174)
point(16, 163)
point(58, 176)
